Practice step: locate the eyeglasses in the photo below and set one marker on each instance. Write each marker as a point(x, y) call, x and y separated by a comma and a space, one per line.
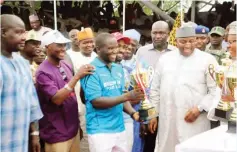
point(63, 73)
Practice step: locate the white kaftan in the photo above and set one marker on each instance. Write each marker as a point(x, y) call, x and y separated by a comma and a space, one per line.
point(179, 84)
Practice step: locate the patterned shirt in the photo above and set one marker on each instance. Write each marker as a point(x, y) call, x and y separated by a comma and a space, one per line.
point(19, 103)
point(218, 54)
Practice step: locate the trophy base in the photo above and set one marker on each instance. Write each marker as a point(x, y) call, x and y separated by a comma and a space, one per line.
point(147, 114)
point(231, 127)
point(222, 115)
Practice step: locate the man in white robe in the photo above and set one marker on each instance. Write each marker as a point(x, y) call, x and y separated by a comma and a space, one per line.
point(182, 91)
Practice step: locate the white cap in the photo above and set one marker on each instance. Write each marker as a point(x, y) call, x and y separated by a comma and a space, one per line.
point(132, 34)
point(233, 28)
point(53, 36)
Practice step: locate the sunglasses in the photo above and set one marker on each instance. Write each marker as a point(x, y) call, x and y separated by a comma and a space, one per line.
point(63, 73)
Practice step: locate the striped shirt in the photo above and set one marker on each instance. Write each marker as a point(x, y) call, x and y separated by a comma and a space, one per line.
point(19, 103)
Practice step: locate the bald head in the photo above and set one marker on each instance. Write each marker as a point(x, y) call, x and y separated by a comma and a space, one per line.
point(159, 34)
point(106, 46)
point(102, 39)
point(73, 31)
point(160, 24)
point(11, 21)
point(73, 37)
point(12, 33)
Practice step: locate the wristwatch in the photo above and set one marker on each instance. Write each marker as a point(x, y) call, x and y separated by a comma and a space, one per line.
point(68, 87)
point(35, 133)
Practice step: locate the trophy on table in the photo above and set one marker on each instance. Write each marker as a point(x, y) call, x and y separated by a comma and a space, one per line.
point(141, 77)
point(231, 79)
point(218, 75)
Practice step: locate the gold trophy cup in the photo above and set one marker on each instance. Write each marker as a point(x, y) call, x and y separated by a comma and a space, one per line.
point(224, 107)
point(232, 85)
point(142, 79)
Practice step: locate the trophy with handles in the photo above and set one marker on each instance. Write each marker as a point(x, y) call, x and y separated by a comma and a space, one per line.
point(217, 73)
point(142, 77)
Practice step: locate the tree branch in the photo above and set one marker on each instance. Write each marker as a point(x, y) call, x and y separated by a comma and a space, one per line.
point(158, 11)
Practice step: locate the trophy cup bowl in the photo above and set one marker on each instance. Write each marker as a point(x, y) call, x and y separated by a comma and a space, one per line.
point(223, 110)
point(146, 111)
point(232, 84)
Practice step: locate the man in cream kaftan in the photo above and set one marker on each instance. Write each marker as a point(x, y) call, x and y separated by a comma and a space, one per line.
point(182, 90)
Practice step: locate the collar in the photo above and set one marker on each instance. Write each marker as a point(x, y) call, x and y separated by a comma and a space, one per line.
point(101, 64)
point(152, 48)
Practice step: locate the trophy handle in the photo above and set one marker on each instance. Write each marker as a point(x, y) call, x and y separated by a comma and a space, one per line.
point(211, 71)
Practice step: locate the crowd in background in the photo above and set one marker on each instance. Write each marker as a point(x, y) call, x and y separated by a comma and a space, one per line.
point(66, 90)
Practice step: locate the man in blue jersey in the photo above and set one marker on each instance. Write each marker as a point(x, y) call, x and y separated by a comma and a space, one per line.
point(105, 100)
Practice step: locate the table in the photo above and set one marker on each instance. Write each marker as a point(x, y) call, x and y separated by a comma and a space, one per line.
point(215, 140)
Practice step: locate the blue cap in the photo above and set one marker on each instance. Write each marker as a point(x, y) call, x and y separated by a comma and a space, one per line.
point(200, 29)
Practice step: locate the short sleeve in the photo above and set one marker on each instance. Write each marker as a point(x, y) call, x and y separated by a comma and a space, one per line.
point(46, 84)
point(92, 87)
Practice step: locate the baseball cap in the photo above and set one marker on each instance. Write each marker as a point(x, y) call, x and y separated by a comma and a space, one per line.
point(53, 36)
point(217, 30)
point(32, 35)
point(120, 36)
point(200, 29)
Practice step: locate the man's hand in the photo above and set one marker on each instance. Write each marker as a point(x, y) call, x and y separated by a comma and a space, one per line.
point(135, 95)
point(35, 144)
point(81, 134)
point(192, 115)
point(133, 102)
point(153, 123)
point(143, 130)
point(85, 70)
point(135, 116)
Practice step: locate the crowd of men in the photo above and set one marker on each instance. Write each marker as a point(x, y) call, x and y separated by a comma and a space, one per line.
point(59, 100)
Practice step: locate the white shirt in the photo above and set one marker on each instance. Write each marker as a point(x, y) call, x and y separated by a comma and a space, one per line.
point(42, 31)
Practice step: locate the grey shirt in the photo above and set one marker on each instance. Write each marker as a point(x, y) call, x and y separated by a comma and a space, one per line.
point(150, 55)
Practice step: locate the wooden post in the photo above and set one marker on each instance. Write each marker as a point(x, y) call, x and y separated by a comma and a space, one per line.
point(193, 11)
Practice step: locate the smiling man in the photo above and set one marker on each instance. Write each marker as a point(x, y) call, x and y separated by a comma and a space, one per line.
point(59, 128)
point(105, 101)
point(85, 54)
point(20, 110)
point(182, 91)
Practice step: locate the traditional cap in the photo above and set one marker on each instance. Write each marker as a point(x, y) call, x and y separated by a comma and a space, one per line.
point(132, 34)
point(200, 29)
point(120, 36)
point(85, 33)
point(190, 24)
point(217, 30)
point(185, 31)
point(32, 35)
point(33, 18)
point(53, 36)
point(233, 28)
